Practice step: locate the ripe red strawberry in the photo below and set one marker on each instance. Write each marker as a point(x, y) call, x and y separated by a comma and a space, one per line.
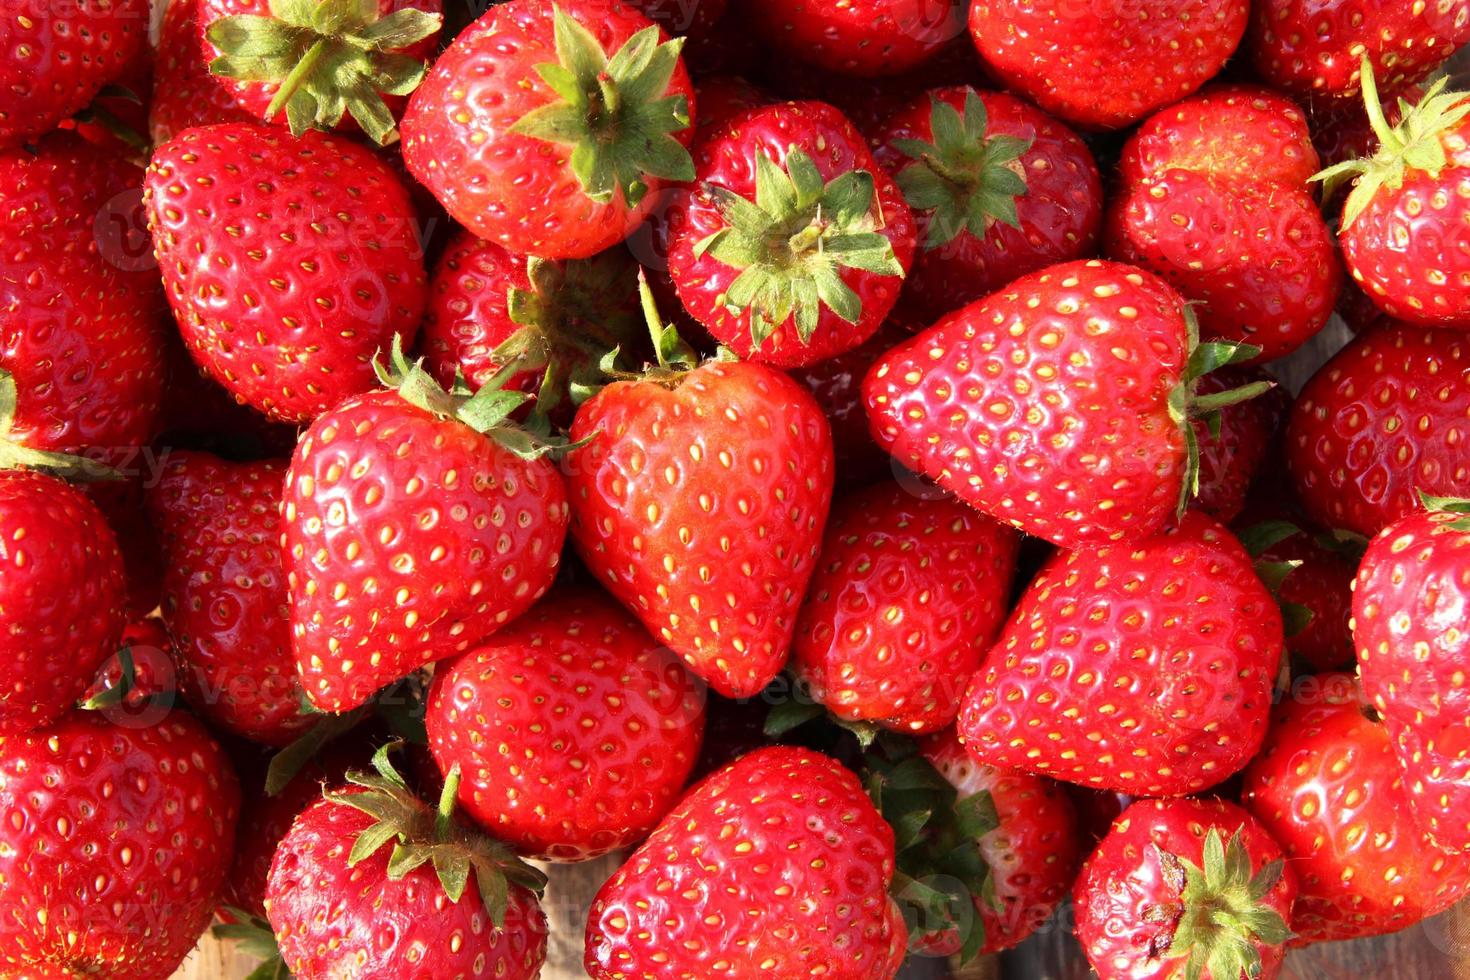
point(910, 591)
point(1061, 404)
point(444, 900)
point(185, 94)
point(1385, 418)
point(775, 866)
point(869, 37)
point(794, 243)
point(225, 593)
point(1145, 668)
point(1089, 65)
point(1414, 655)
point(1192, 888)
point(415, 523)
point(55, 57)
point(549, 128)
point(313, 262)
point(837, 385)
point(575, 731)
point(1328, 788)
point(998, 190)
point(116, 843)
point(1313, 48)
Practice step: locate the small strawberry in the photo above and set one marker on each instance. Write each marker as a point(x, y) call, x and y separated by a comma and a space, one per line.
point(1385, 418)
point(185, 94)
point(1185, 888)
point(1328, 788)
point(549, 128)
point(415, 523)
point(1102, 68)
point(1145, 668)
point(1234, 448)
point(837, 385)
point(858, 37)
point(998, 189)
point(1409, 601)
point(116, 844)
point(1061, 405)
point(910, 591)
point(775, 866)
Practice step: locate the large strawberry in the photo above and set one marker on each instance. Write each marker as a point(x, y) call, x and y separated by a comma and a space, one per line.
point(1328, 788)
point(1145, 668)
point(415, 523)
point(1192, 888)
point(1409, 604)
point(910, 591)
point(115, 845)
point(549, 128)
point(1387, 417)
point(1100, 66)
point(998, 188)
point(866, 37)
point(794, 243)
point(289, 262)
point(775, 866)
point(1061, 405)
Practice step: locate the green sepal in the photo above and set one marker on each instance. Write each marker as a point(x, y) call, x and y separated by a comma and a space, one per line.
point(252, 936)
point(1265, 535)
point(1273, 573)
point(126, 681)
point(76, 469)
point(1447, 505)
point(286, 764)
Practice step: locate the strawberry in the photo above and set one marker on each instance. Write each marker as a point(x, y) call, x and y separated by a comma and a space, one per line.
point(1145, 668)
point(998, 189)
point(1192, 888)
point(794, 243)
point(137, 682)
point(575, 731)
point(1402, 233)
point(1383, 419)
point(695, 19)
point(116, 873)
point(443, 900)
point(292, 306)
point(869, 37)
point(1102, 68)
point(1245, 436)
point(910, 591)
point(1327, 787)
point(414, 523)
point(837, 385)
point(550, 128)
point(185, 94)
point(225, 593)
point(1413, 657)
point(775, 866)
point(1061, 404)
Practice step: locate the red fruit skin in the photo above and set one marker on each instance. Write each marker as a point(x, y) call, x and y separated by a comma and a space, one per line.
point(1033, 855)
point(723, 97)
point(185, 94)
point(380, 927)
point(1409, 604)
point(1060, 214)
point(1315, 48)
point(407, 538)
point(727, 157)
point(574, 731)
point(514, 190)
point(1158, 657)
point(701, 507)
point(62, 597)
point(225, 594)
point(774, 866)
point(1387, 417)
point(148, 644)
point(1229, 462)
point(1086, 65)
point(117, 839)
point(910, 591)
point(866, 38)
point(1011, 403)
point(1124, 879)
point(1328, 789)
point(289, 262)
point(837, 385)
point(694, 19)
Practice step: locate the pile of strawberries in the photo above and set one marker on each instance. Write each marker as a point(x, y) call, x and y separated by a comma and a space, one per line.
point(832, 453)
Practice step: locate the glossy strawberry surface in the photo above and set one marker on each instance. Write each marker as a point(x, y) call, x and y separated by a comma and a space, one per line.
point(185, 94)
point(859, 37)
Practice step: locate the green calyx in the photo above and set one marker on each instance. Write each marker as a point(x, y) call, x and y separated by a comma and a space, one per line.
point(252, 936)
point(1221, 913)
point(13, 456)
point(613, 112)
point(1447, 505)
point(421, 834)
point(1257, 540)
point(966, 180)
point(792, 242)
point(1414, 144)
point(328, 57)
